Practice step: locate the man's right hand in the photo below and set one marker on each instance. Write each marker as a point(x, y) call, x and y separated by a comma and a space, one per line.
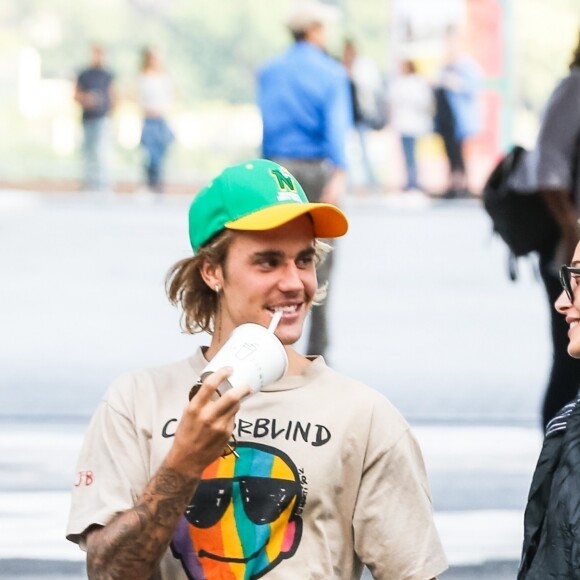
point(133, 542)
point(206, 426)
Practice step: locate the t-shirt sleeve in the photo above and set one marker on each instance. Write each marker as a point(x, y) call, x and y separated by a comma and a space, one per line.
point(394, 530)
point(110, 472)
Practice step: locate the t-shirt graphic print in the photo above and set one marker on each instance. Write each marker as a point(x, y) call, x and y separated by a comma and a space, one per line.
point(244, 518)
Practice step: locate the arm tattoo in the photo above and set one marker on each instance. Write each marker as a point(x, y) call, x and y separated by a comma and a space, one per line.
point(133, 543)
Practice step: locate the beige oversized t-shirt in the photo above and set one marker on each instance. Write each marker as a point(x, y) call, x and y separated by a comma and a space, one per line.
point(329, 477)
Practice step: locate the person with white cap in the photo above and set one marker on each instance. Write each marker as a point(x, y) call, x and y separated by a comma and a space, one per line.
point(305, 104)
point(313, 476)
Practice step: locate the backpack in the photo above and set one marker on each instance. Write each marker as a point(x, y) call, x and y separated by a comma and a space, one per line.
point(370, 106)
point(376, 119)
point(521, 219)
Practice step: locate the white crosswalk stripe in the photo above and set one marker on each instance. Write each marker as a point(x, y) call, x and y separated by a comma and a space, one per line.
point(38, 463)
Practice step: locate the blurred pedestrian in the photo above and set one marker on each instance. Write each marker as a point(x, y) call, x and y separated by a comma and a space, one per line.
point(552, 167)
point(369, 109)
point(411, 115)
point(94, 92)
point(457, 111)
point(552, 517)
point(155, 99)
point(304, 100)
point(314, 476)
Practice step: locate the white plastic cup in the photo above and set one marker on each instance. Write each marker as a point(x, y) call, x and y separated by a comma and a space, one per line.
point(255, 354)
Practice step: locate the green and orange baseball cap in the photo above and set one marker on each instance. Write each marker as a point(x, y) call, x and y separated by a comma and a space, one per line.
point(257, 195)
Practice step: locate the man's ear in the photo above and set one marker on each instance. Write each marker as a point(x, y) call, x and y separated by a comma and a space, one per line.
point(212, 275)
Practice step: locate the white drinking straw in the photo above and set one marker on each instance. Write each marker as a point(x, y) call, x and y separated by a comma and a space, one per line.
point(275, 319)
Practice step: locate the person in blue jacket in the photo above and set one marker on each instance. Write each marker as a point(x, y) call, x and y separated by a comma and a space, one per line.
point(457, 112)
point(305, 103)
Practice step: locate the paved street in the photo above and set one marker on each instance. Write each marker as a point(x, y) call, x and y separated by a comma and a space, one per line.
point(421, 308)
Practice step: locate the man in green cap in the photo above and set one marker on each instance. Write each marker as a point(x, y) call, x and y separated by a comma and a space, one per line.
point(313, 476)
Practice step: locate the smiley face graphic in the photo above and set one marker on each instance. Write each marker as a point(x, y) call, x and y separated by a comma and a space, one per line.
point(242, 520)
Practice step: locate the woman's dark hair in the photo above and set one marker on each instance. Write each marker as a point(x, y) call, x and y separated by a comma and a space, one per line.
point(576, 54)
point(298, 35)
point(146, 55)
point(409, 66)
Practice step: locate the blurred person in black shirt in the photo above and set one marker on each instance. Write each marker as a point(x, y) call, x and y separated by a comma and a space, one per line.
point(94, 93)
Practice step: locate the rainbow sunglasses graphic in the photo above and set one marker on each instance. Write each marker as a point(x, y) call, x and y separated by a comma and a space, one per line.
point(243, 519)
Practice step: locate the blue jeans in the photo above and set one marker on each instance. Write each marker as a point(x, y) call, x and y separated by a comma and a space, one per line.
point(408, 142)
point(362, 131)
point(96, 152)
point(155, 139)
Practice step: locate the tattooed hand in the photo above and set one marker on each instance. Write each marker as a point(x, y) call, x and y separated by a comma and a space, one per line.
point(205, 426)
point(132, 544)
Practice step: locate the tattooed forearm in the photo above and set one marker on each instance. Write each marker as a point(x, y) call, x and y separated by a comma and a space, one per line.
point(131, 545)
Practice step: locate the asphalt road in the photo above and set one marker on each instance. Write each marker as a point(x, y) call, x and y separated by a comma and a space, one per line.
point(51, 570)
point(421, 309)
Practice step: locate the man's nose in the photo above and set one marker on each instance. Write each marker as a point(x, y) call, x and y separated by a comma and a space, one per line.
point(291, 278)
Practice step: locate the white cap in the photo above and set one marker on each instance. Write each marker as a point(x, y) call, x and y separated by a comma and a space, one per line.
point(307, 13)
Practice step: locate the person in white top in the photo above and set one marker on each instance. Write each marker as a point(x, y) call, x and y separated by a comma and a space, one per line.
point(411, 114)
point(155, 95)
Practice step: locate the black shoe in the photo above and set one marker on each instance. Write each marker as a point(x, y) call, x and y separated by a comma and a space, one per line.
point(450, 194)
point(462, 193)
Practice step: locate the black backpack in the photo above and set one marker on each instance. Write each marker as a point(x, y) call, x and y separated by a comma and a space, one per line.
point(521, 219)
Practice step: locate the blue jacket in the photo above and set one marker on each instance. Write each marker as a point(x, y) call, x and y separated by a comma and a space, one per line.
point(304, 99)
point(464, 98)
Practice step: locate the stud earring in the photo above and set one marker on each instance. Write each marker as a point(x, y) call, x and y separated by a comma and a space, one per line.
point(218, 317)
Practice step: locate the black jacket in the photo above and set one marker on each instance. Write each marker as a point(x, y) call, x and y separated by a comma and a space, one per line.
point(551, 549)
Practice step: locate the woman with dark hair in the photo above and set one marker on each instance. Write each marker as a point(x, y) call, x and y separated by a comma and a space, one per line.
point(155, 96)
point(551, 547)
